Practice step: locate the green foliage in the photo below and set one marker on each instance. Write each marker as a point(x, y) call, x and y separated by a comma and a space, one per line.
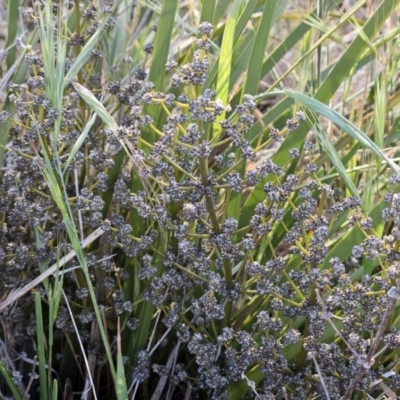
point(195, 200)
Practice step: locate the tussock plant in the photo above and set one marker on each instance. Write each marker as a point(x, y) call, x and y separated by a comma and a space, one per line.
point(171, 230)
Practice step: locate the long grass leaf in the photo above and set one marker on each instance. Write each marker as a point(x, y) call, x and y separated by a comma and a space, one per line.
point(79, 142)
point(162, 42)
point(66, 213)
point(55, 389)
point(46, 29)
point(122, 391)
point(320, 108)
point(160, 53)
point(253, 75)
point(220, 10)
point(240, 25)
point(12, 29)
point(87, 49)
point(41, 339)
point(10, 383)
point(330, 150)
point(95, 105)
point(207, 11)
point(225, 57)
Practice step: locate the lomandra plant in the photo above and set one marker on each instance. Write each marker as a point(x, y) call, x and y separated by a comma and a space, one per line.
point(154, 249)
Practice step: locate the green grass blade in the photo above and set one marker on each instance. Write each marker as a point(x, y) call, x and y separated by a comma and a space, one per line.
point(220, 10)
point(330, 150)
point(46, 32)
point(288, 43)
point(207, 11)
point(81, 139)
point(241, 63)
point(342, 122)
point(122, 391)
point(41, 339)
point(119, 38)
point(95, 105)
point(241, 23)
point(58, 196)
point(225, 57)
point(162, 42)
point(253, 76)
point(55, 389)
point(160, 53)
point(87, 49)
point(12, 29)
point(10, 383)
point(100, 110)
point(380, 101)
point(244, 18)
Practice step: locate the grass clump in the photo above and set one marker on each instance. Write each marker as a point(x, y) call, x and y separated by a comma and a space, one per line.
point(165, 236)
